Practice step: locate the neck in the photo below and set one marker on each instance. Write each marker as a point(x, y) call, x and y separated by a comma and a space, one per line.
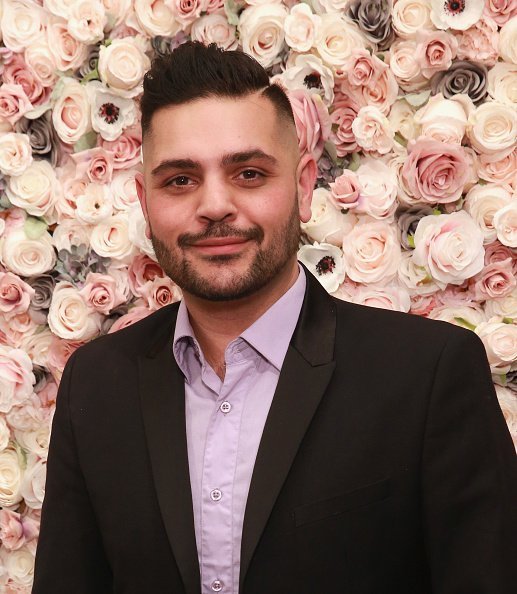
point(217, 323)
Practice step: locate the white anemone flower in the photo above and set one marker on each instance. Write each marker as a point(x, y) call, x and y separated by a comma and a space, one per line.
point(456, 14)
point(325, 261)
point(111, 114)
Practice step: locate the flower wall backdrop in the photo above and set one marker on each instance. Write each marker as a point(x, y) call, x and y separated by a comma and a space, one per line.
point(409, 107)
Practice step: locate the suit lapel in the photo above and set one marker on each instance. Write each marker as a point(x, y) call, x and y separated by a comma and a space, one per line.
point(162, 397)
point(305, 374)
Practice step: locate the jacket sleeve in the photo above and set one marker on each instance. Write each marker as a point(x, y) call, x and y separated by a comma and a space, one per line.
point(70, 555)
point(469, 477)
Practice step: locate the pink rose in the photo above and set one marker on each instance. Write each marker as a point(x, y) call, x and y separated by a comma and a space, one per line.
point(15, 294)
point(48, 394)
point(345, 190)
point(501, 10)
point(495, 280)
point(435, 51)
point(101, 293)
point(125, 149)
point(59, 352)
point(96, 164)
point(18, 327)
point(141, 270)
point(312, 121)
point(18, 73)
point(436, 172)
point(498, 167)
point(345, 110)
point(16, 378)
point(159, 292)
point(422, 305)
point(14, 103)
point(16, 530)
point(480, 42)
point(134, 315)
point(186, 11)
point(497, 252)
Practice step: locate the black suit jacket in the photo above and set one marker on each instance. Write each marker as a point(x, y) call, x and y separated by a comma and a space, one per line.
point(385, 465)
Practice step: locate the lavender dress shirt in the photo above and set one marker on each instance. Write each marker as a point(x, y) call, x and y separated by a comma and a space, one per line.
point(224, 423)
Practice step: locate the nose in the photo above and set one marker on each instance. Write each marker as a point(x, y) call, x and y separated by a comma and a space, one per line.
point(216, 201)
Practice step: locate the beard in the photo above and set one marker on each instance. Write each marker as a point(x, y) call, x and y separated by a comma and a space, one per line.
point(268, 261)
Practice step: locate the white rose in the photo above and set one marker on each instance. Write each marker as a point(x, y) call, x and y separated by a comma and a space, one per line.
point(95, 205)
point(327, 223)
point(492, 127)
point(36, 441)
point(25, 256)
point(500, 342)
point(371, 252)
point(71, 113)
point(261, 30)
point(414, 277)
point(326, 6)
point(309, 72)
point(466, 316)
point(503, 307)
point(68, 53)
point(22, 22)
point(336, 40)
point(11, 472)
point(15, 153)
point(402, 119)
point(16, 378)
point(19, 567)
point(36, 190)
point(214, 28)
point(392, 296)
point(450, 246)
point(60, 8)
point(445, 119)
point(41, 61)
point(110, 238)
point(404, 64)
point(117, 11)
point(69, 316)
point(122, 65)
point(325, 262)
point(136, 231)
point(505, 224)
point(411, 16)
point(71, 232)
point(301, 28)
point(482, 202)
point(156, 18)
point(33, 484)
point(508, 41)
point(378, 183)
point(37, 345)
point(87, 20)
point(502, 83)
point(123, 190)
point(372, 130)
point(5, 434)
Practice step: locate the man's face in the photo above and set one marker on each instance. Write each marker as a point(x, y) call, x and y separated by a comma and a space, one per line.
point(223, 193)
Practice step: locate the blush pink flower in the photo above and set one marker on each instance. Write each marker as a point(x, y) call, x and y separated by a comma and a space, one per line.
point(96, 164)
point(159, 292)
point(16, 530)
point(480, 42)
point(15, 294)
point(345, 190)
point(495, 280)
point(345, 110)
point(436, 172)
point(141, 270)
point(125, 150)
point(18, 73)
point(101, 293)
point(501, 11)
point(59, 352)
point(435, 51)
point(135, 314)
point(14, 103)
point(312, 120)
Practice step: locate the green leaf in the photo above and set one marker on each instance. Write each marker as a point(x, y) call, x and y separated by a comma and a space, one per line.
point(92, 75)
point(437, 211)
point(34, 227)
point(400, 139)
point(232, 9)
point(507, 320)
point(355, 162)
point(4, 201)
point(87, 141)
point(411, 241)
point(463, 322)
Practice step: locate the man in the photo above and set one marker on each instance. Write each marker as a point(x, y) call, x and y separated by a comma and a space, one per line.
point(263, 437)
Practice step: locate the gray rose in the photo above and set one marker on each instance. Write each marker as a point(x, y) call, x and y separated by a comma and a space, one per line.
point(374, 19)
point(88, 69)
point(42, 136)
point(462, 77)
point(407, 221)
point(43, 286)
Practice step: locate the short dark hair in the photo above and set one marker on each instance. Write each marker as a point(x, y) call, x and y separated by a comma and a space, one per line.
point(194, 71)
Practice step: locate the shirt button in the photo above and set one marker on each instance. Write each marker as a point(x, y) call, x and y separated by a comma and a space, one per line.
point(217, 585)
point(215, 495)
point(225, 407)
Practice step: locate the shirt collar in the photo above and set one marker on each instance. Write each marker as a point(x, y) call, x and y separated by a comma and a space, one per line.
point(270, 335)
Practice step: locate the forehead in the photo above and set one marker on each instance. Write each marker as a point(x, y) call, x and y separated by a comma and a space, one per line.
point(207, 127)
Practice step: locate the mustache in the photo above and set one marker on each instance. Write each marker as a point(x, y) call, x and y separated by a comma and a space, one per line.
point(221, 230)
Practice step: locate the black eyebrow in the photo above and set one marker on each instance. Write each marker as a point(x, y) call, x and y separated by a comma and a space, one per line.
point(229, 159)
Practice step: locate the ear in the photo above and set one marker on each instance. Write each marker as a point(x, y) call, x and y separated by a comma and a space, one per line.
point(142, 197)
point(306, 174)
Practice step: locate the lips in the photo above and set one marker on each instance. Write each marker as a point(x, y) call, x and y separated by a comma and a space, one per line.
point(215, 246)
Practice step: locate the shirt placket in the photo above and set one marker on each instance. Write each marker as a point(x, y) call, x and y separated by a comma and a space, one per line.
point(219, 465)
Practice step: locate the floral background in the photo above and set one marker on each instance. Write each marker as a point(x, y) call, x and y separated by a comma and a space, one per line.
point(409, 107)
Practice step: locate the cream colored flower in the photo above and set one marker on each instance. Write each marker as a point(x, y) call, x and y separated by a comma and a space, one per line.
point(411, 16)
point(261, 30)
point(36, 190)
point(492, 127)
point(15, 153)
point(86, 21)
point(71, 113)
point(155, 17)
point(301, 28)
point(69, 316)
point(482, 202)
point(505, 224)
point(502, 83)
point(508, 41)
point(25, 256)
point(336, 40)
point(122, 65)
